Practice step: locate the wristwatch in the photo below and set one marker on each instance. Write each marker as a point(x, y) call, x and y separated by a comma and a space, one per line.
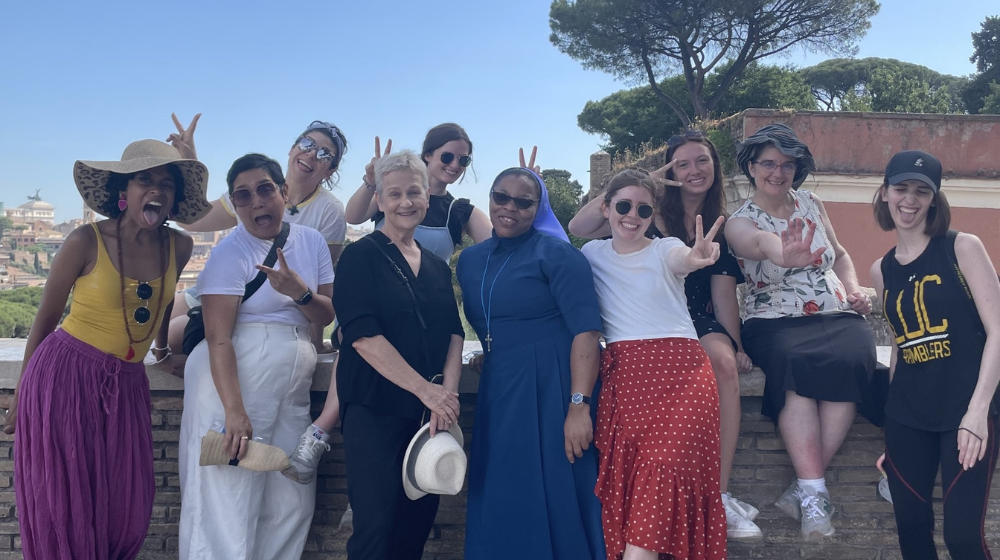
point(306, 297)
point(578, 398)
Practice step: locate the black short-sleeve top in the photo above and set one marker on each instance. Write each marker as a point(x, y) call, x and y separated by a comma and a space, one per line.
point(371, 299)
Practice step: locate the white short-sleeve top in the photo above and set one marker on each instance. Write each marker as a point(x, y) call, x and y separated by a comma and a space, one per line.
point(640, 297)
point(232, 265)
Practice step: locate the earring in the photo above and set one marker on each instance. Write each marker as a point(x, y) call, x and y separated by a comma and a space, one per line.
point(122, 204)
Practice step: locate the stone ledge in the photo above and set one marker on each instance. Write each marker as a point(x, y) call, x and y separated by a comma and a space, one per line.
point(160, 378)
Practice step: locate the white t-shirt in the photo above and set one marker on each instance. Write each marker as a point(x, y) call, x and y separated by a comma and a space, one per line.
point(322, 211)
point(640, 297)
point(231, 266)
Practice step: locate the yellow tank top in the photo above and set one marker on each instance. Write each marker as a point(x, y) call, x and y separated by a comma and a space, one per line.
point(95, 316)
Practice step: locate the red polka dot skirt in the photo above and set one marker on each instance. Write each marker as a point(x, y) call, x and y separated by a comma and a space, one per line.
point(658, 436)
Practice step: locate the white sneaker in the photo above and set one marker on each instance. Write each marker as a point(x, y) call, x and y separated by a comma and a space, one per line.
point(744, 508)
point(817, 514)
point(738, 527)
point(790, 501)
point(304, 460)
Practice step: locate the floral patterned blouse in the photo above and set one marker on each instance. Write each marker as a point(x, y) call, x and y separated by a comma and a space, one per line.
point(773, 291)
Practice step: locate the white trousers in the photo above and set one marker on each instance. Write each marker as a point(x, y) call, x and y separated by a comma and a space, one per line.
point(230, 512)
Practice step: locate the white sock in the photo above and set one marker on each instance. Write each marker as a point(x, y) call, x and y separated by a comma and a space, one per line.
point(817, 484)
point(319, 433)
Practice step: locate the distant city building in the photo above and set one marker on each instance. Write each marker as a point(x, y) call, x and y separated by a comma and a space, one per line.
point(35, 210)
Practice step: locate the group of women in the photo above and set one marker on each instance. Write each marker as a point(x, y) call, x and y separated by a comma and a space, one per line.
point(577, 452)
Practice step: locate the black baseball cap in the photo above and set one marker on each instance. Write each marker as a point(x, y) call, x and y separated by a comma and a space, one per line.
point(914, 164)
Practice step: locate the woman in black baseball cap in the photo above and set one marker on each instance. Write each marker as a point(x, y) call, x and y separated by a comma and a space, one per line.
point(941, 293)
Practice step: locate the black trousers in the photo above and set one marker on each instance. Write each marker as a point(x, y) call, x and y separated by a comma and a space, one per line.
point(912, 459)
point(387, 524)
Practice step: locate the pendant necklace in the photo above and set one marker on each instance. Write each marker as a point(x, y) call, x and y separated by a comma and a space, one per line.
point(145, 289)
point(293, 209)
point(482, 294)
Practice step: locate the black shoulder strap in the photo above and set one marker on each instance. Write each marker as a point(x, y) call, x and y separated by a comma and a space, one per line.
point(402, 276)
point(272, 257)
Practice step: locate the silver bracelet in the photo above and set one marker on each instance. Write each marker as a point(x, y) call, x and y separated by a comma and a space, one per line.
point(155, 349)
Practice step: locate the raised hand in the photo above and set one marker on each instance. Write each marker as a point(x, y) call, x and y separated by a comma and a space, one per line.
point(531, 161)
point(370, 168)
point(659, 177)
point(704, 252)
point(183, 139)
point(283, 279)
point(796, 249)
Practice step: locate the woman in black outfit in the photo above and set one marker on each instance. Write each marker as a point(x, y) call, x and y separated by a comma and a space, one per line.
point(941, 294)
point(401, 328)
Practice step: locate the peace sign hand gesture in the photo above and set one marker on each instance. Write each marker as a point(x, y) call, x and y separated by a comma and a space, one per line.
point(183, 139)
point(283, 279)
point(704, 252)
point(531, 161)
point(796, 249)
point(659, 177)
point(369, 177)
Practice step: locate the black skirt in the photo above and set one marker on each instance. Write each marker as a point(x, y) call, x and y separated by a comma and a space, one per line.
point(827, 357)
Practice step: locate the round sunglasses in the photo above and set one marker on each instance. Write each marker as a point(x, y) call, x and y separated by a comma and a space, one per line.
point(448, 157)
point(623, 207)
point(143, 291)
point(501, 199)
point(244, 197)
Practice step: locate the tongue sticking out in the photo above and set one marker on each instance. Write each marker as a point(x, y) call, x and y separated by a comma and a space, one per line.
point(151, 214)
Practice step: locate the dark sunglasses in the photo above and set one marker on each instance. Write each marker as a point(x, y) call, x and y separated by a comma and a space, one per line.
point(679, 139)
point(502, 199)
point(307, 144)
point(623, 207)
point(143, 291)
point(448, 157)
point(244, 197)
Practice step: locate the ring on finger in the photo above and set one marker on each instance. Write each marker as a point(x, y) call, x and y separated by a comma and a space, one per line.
point(245, 438)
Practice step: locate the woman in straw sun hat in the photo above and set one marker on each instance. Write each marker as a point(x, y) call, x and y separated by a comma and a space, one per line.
point(82, 411)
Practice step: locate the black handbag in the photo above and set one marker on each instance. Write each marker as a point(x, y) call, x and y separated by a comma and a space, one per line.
point(194, 331)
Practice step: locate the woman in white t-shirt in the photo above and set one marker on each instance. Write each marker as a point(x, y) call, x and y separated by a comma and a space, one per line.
point(312, 161)
point(658, 410)
point(252, 373)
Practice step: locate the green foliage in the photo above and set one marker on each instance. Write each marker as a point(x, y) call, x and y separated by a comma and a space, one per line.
point(26, 296)
point(885, 85)
point(892, 91)
point(635, 116)
point(649, 42)
point(564, 197)
point(986, 57)
point(991, 103)
point(15, 319)
point(5, 224)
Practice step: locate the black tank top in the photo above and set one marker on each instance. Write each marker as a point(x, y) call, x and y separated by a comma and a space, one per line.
point(939, 338)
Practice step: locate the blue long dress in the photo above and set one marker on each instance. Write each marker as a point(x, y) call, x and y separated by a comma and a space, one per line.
point(526, 500)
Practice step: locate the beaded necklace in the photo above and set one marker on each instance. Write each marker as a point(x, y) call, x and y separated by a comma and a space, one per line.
point(159, 302)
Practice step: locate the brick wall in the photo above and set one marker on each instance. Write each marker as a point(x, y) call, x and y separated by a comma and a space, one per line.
point(864, 522)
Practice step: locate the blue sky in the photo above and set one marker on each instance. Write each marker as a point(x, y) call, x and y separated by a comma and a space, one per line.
point(80, 80)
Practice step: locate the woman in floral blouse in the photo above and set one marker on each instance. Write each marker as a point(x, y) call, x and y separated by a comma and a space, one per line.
point(802, 312)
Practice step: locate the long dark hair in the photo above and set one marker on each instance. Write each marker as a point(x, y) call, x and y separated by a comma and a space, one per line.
point(671, 206)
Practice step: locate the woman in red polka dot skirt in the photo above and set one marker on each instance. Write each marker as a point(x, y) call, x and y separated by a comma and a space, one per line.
point(658, 415)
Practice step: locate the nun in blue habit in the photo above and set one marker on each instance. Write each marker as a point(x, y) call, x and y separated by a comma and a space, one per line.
point(530, 297)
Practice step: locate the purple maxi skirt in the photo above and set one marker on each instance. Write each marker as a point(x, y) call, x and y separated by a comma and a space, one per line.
point(83, 453)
